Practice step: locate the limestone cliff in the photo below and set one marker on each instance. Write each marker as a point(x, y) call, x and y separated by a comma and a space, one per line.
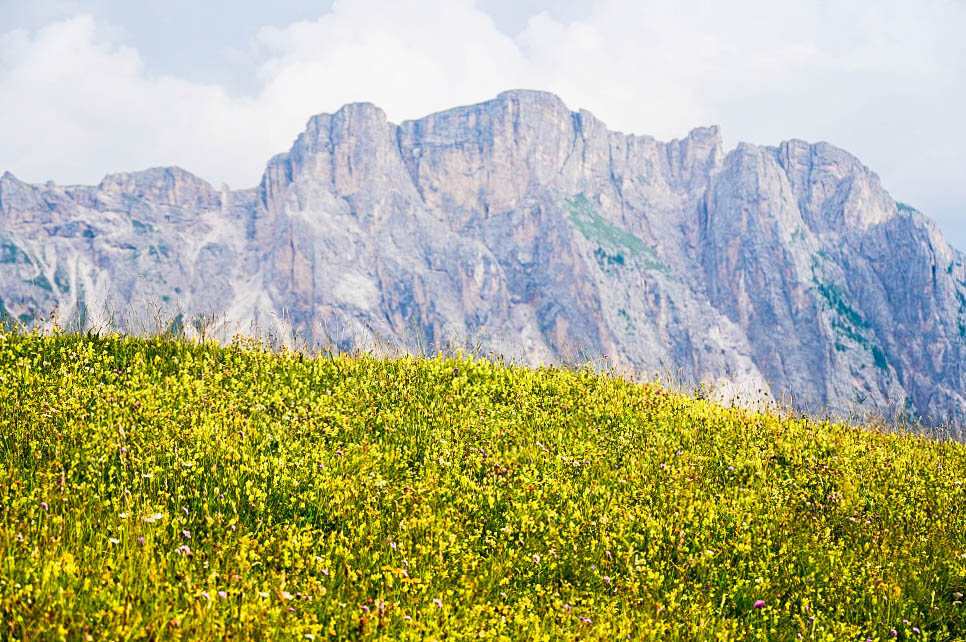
point(527, 229)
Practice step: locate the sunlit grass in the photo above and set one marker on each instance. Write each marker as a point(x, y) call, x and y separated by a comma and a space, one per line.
point(154, 488)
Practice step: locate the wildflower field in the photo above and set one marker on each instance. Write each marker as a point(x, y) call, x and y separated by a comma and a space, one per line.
point(163, 489)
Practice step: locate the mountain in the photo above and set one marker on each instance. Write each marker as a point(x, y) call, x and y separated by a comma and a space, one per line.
point(530, 230)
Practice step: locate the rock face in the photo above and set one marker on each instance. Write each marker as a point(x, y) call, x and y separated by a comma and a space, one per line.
point(521, 227)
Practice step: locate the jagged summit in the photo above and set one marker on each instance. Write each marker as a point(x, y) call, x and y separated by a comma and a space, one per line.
point(171, 186)
point(533, 95)
point(529, 229)
point(711, 133)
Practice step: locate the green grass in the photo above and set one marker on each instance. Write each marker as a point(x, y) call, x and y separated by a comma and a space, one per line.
point(10, 253)
point(157, 489)
point(905, 207)
point(41, 282)
point(142, 228)
point(879, 359)
point(596, 229)
point(6, 319)
point(838, 301)
point(848, 323)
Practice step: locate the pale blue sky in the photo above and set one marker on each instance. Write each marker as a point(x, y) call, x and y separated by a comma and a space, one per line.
point(93, 86)
point(193, 39)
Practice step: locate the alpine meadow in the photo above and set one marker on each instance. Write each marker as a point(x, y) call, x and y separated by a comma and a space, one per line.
point(490, 320)
point(159, 488)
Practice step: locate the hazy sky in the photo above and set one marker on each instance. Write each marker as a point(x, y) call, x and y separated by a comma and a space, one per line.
point(89, 87)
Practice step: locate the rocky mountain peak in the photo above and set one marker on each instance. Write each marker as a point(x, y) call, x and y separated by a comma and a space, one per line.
point(525, 228)
point(833, 186)
point(351, 121)
point(167, 186)
point(19, 200)
point(529, 105)
point(698, 154)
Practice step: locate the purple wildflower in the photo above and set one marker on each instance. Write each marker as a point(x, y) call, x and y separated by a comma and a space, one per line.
point(760, 604)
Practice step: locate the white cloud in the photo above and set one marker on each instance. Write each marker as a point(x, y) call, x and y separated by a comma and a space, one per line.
point(75, 108)
point(882, 78)
point(408, 58)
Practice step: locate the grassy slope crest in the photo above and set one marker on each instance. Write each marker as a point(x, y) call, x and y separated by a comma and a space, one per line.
point(160, 489)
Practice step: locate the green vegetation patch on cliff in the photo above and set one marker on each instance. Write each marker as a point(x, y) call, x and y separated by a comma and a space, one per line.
point(159, 489)
point(847, 321)
point(906, 208)
point(605, 234)
point(140, 227)
point(10, 253)
point(7, 322)
point(838, 301)
point(41, 282)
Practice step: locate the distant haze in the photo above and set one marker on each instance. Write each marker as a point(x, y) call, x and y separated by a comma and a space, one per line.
point(91, 87)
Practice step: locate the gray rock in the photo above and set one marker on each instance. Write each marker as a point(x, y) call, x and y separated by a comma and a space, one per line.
point(520, 227)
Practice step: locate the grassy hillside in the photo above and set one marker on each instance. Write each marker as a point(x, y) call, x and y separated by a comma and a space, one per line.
point(160, 489)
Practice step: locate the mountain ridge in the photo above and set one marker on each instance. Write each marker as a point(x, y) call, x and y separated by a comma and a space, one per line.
point(534, 231)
